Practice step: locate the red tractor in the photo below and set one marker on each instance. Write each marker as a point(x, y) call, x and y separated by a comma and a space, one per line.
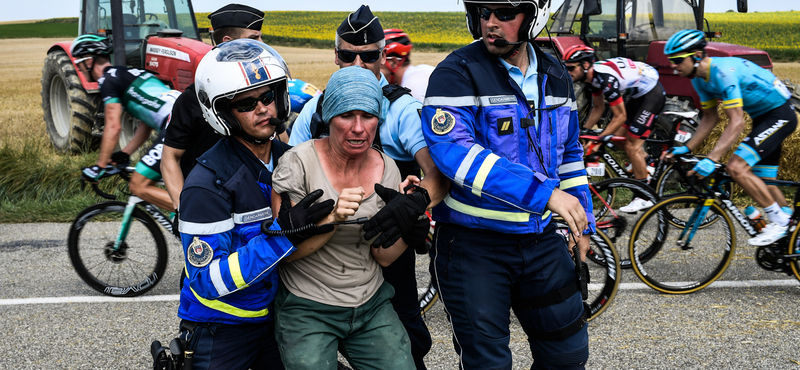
point(638, 29)
point(160, 36)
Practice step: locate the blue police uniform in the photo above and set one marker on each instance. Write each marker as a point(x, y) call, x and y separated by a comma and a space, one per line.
point(495, 247)
point(231, 276)
point(401, 138)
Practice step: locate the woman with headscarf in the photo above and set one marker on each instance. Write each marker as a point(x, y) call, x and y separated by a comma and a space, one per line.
point(332, 294)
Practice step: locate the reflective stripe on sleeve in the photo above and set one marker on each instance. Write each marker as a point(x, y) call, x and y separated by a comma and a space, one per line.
point(555, 100)
point(212, 228)
point(570, 167)
point(486, 213)
point(466, 164)
point(228, 309)
point(252, 216)
point(454, 101)
point(573, 182)
point(216, 278)
point(236, 270)
point(483, 173)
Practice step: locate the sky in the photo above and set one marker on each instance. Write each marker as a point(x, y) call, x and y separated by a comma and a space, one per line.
point(45, 9)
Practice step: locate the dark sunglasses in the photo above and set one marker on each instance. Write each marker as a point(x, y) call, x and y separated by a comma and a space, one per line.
point(571, 68)
point(367, 56)
point(503, 14)
point(249, 104)
point(678, 59)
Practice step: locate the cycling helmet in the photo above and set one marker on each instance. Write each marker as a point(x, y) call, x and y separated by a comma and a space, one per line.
point(536, 14)
point(90, 44)
point(234, 67)
point(579, 53)
point(685, 41)
point(397, 45)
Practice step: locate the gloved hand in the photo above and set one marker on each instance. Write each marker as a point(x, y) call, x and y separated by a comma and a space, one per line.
point(679, 150)
point(304, 213)
point(121, 158)
point(175, 224)
point(415, 237)
point(93, 173)
point(398, 217)
point(606, 138)
point(705, 167)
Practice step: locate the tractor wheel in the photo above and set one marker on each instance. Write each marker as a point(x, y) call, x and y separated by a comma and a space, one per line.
point(68, 109)
point(583, 99)
point(795, 90)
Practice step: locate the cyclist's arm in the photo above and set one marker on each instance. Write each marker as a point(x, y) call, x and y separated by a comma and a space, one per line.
point(141, 135)
point(172, 173)
point(113, 125)
point(707, 123)
point(620, 116)
point(598, 105)
point(731, 134)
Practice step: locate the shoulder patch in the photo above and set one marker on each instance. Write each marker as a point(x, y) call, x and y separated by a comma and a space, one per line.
point(442, 122)
point(199, 253)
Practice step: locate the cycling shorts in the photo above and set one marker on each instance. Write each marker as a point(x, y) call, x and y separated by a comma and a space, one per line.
point(150, 164)
point(642, 111)
point(763, 145)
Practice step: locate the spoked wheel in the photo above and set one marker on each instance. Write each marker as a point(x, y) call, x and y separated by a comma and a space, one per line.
point(427, 295)
point(613, 222)
point(129, 270)
point(685, 260)
point(604, 277)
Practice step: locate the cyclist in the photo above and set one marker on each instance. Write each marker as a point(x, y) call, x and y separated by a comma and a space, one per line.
point(616, 80)
point(231, 279)
point(360, 42)
point(743, 87)
point(501, 123)
point(398, 69)
point(141, 94)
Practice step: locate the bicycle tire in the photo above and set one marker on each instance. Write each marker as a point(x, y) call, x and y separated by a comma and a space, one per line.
point(603, 260)
point(670, 184)
point(427, 295)
point(625, 190)
point(128, 272)
point(794, 248)
point(672, 268)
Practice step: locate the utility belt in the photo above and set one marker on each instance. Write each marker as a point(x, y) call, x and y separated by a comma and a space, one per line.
point(178, 356)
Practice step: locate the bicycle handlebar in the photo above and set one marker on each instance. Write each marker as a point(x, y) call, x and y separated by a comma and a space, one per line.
point(122, 171)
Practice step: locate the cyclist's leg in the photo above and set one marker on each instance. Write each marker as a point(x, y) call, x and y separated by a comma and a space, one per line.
point(148, 172)
point(642, 112)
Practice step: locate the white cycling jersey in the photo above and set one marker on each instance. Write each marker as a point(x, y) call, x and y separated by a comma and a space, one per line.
point(618, 77)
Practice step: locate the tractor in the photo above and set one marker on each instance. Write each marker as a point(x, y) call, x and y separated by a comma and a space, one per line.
point(638, 30)
point(160, 36)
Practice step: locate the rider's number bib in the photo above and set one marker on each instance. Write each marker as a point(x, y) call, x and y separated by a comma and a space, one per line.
point(596, 169)
point(683, 136)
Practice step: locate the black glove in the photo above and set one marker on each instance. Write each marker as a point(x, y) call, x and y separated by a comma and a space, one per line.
point(304, 215)
point(121, 158)
point(606, 138)
point(175, 225)
point(398, 217)
point(93, 173)
point(415, 237)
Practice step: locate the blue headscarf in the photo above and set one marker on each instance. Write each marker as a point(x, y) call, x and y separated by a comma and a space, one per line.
point(354, 88)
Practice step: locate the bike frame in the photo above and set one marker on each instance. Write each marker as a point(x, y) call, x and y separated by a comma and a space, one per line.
point(152, 210)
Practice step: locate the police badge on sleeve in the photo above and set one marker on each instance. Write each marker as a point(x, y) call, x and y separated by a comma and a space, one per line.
point(442, 122)
point(199, 253)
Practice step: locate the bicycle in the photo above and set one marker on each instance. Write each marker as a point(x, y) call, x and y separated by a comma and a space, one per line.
point(605, 263)
point(699, 241)
point(117, 247)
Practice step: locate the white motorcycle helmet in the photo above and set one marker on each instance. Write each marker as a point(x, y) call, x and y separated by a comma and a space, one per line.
point(536, 14)
point(234, 67)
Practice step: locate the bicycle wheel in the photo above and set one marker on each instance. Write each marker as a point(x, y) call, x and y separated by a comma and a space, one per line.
point(131, 270)
point(794, 249)
point(427, 295)
point(675, 264)
point(614, 222)
point(604, 276)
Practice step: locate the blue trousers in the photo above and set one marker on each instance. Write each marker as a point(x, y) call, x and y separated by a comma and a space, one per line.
point(232, 347)
point(481, 274)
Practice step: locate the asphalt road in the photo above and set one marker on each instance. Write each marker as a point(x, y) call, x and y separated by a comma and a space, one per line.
point(51, 320)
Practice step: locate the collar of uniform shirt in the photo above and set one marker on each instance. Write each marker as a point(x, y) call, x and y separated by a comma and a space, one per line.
point(529, 84)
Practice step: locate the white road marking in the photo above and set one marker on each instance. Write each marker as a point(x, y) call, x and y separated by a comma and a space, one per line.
point(87, 299)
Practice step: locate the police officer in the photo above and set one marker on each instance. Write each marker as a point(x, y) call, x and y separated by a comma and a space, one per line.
point(226, 299)
point(501, 121)
point(189, 136)
point(360, 42)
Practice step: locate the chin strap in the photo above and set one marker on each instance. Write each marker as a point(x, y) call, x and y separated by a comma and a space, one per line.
point(511, 52)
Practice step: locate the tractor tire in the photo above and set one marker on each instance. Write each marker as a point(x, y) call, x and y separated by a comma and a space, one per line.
point(68, 109)
point(795, 90)
point(583, 99)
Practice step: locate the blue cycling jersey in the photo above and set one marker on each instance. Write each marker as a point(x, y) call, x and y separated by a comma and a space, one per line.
point(740, 83)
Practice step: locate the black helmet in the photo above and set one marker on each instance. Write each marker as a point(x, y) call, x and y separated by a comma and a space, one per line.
point(90, 44)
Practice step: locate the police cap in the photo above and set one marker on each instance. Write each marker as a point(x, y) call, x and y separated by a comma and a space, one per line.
point(237, 15)
point(361, 27)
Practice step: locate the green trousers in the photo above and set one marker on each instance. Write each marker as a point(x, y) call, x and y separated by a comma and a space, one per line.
point(370, 336)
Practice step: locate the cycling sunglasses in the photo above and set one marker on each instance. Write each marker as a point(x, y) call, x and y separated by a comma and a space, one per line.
point(249, 104)
point(572, 68)
point(678, 59)
point(503, 14)
point(367, 56)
